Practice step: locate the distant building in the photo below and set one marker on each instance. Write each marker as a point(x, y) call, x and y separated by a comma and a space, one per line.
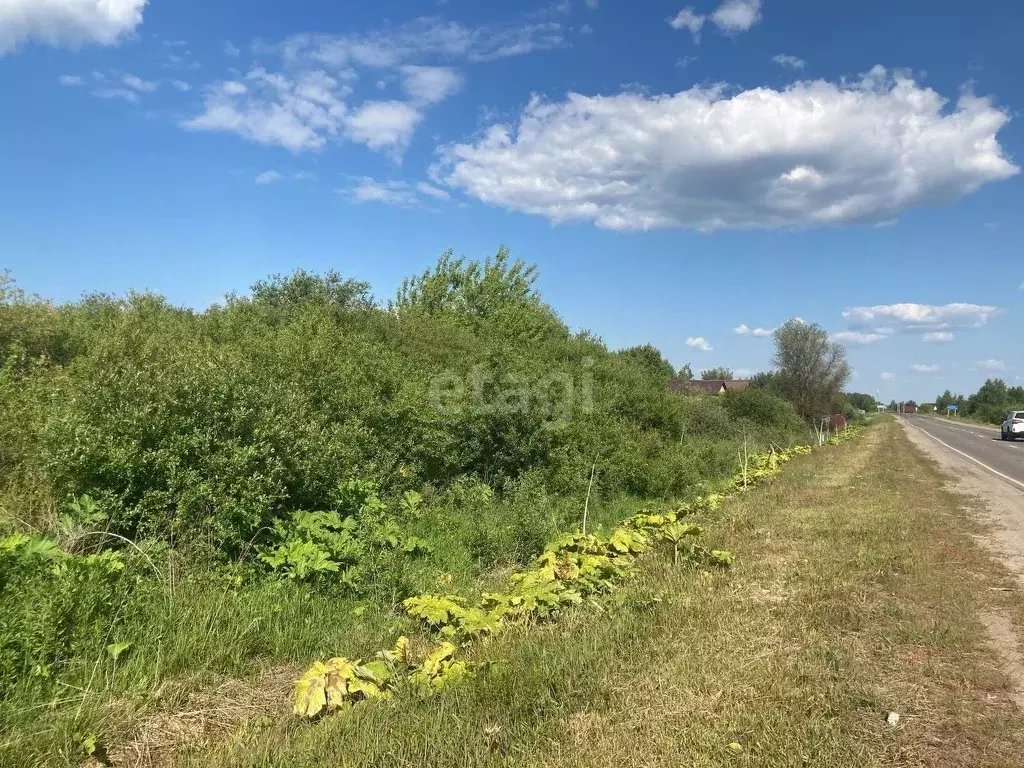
point(710, 387)
point(909, 408)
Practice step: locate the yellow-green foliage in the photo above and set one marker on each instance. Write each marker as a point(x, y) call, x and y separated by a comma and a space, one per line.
point(329, 686)
point(572, 568)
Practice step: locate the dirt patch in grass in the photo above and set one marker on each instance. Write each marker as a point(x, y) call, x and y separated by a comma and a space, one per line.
point(194, 721)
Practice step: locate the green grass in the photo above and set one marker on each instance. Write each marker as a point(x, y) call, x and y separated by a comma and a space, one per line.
point(195, 628)
point(856, 592)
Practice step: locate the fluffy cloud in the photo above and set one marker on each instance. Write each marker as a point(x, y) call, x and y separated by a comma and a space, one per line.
point(991, 365)
point(295, 113)
point(383, 124)
point(71, 80)
point(886, 376)
point(937, 336)
point(268, 177)
point(699, 342)
point(67, 22)
point(912, 317)
point(814, 153)
point(430, 85)
point(734, 16)
point(744, 330)
point(792, 62)
point(689, 19)
point(857, 337)
point(306, 104)
point(921, 368)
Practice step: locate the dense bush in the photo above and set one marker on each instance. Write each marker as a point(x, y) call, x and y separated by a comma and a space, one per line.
point(210, 431)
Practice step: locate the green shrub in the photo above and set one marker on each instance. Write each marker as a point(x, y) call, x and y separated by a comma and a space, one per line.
point(55, 607)
point(212, 431)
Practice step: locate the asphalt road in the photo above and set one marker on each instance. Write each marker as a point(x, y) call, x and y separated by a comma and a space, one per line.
point(1002, 460)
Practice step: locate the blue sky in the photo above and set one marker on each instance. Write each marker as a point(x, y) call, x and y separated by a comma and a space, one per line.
point(688, 174)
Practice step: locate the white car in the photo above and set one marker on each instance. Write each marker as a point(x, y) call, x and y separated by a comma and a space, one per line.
point(1013, 427)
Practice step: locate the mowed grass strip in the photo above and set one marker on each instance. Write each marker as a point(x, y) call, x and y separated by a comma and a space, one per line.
point(857, 592)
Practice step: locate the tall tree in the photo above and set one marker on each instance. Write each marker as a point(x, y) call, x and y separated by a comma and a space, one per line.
point(685, 373)
point(716, 374)
point(812, 370)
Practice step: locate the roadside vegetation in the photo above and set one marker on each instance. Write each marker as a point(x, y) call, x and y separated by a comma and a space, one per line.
point(847, 634)
point(990, 404)
point(190, 495)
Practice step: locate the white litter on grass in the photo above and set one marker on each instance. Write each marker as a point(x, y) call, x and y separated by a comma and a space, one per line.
point(893, 718)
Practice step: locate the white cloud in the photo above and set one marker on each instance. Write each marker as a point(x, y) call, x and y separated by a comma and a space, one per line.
point(304, 176)
point(592, 4)
point(304, 105)
point(744, 330)
point(586, 29)
point(732, 17)
point(268, 177)
point(991, 365)
point(909, 316)
point(70, 80)
point(689, 19)
point(138, 84)
point(815, 153)
point(886, 376)
point(420, 38)
point(857, 337)
point(921, 368)
point(181, 85)
point(735, 16)
point(430, 85)
point(399, 193)
point(67, 22)
point(388, 192)
point(232, 50)
point(432, 191)
point(937, 336)
point(295, 113)
point(383, 125)
point(699, 342)
point(792, 62)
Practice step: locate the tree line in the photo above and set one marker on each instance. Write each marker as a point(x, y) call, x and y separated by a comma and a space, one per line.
point(991, 403)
